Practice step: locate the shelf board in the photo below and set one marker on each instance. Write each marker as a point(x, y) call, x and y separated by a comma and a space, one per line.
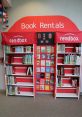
point(67, 95)
point(69, 64)
point(23, 84)
point(70, 75)
point(69, 53)
point(20, 64)
point(25, 94)
point(20, 75)
point(20, 53)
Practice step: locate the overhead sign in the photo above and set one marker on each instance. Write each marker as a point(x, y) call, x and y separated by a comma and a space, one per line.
point(44, 24)
point(69, 37)
point(18, 38)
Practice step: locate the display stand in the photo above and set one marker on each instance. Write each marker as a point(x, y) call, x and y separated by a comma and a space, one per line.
point(19, 64)
point(68, 65)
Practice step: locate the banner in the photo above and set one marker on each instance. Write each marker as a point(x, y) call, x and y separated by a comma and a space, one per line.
point(69, 37)
point(18, 38)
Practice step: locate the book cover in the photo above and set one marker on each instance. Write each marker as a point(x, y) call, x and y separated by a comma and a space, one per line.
point(38, 62)
point(43, 56)
point(41, 87)
point(47, 62)
point(47, 87)
point(42, 62)
point(28, 48)
point(38, 49)
point(48, 69)
point(42, 69)
point(48, 49)
point(38, 69)
point(19, 49)
point(48, 56)
point(43, 49)
point(38, 56)
point(47, 75)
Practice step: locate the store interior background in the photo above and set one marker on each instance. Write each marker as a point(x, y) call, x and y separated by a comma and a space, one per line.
point(21, 8)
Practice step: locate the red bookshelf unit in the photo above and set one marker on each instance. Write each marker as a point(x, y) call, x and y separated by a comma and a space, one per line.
point(68, 65)
point(19, 63)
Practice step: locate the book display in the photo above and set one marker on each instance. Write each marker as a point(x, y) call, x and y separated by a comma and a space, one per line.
point(19, 66)
point(45, 63)
point(68, 70)
point(48, 64)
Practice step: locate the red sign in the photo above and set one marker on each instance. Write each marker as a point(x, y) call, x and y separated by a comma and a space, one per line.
point(16, 38)
point(44, 24)
point(69, 37)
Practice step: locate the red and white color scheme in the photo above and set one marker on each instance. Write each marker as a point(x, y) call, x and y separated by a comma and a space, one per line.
point(69, 37)
point(68, 64)
point(19, 62)
point(18, 38)
point(24, 56)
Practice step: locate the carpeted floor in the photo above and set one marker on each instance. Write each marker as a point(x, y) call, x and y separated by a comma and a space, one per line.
point(42, 106)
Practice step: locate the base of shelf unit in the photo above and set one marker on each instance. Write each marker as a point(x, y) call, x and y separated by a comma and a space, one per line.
point(45, 93)
point(71, 95)
point(25, 94)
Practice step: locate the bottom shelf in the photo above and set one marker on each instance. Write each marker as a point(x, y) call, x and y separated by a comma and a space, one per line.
point(74, 95)
point(25, 94)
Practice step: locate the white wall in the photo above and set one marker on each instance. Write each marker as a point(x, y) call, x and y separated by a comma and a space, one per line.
point(21, 8)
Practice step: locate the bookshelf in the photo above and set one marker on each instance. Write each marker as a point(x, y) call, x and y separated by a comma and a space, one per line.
point(45, 63)
point(68, 70)
point(19, 70)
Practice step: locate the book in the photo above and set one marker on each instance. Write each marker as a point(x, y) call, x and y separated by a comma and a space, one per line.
point(47, 87)
point(43, 49)
point(48, 56)
point(38, 56)
point(47, 62)
point(38, 62)
point(47, 75)
point(42, 75)
point(19, 49)
point(48, 69)
point(38, 49)
point(28, 48)
point(48, 49)
point(41, 87)
point(38, 69)
point(42, 62)
point(43, 56)
point(42, 69)
point(29, 71)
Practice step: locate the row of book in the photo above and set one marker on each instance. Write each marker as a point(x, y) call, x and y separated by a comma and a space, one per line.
point(45, 49)
point(45, 81)
point(71, 59)
point(10, 70)
point(73, 83)
point(45, 62)
point(28, 59)
point(45, 56)
point(45, 87)
point(75, 71)
point(61, 49)
point(45, 69)
point(18, 49)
